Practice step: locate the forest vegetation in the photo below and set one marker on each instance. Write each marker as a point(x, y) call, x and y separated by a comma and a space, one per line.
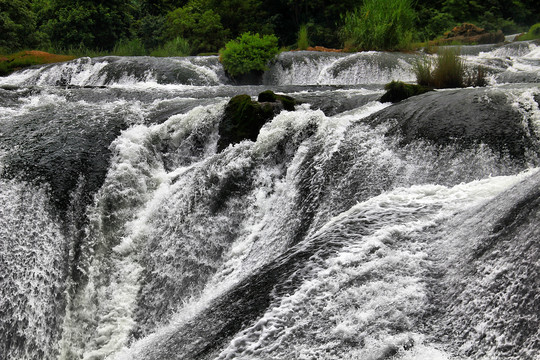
point(191, 27)
point(205, 26)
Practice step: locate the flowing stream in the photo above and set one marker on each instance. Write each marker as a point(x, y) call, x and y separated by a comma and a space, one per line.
point(125, 234)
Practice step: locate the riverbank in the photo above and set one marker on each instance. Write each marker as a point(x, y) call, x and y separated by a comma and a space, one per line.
point(24, 59)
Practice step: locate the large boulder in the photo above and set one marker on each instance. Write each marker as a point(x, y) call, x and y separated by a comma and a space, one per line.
point(243, 117)
point(465, 117)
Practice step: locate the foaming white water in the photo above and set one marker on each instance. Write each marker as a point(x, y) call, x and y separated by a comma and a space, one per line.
point(33, 254)
point(338, 69)
point(202, 71)
point(364, 301)
point(136, 186)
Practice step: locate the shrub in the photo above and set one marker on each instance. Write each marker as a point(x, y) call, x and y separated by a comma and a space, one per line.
point(379, 25)
point(249, 52)
point(303, 41)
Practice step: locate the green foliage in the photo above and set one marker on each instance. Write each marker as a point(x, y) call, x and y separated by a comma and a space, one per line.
point(150, 29)
point(533, 33)
point(133, 47)
point(25, 59)
point(449, 71)
point(422, 69)
point(175, 47)
point(303, 40)
point(18, 25)
point(249, 52)
point(434, 23)
point(379, 25)
point(197, 23)
point(94, 25)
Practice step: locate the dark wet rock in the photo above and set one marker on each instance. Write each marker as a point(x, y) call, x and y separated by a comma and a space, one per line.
point(288, 102)
point(61, 149)
point(252, 77)
point(465, 117)
point(243, 117)
point(398, 90)
point(517, 77)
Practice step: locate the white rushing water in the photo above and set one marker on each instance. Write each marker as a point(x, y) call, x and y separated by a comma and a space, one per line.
point(126, 234)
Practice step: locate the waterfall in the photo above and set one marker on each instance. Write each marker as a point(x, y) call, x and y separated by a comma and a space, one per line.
point(349, 229)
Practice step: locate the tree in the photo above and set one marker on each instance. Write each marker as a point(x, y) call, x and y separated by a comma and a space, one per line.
point(91, 24)
point(198, 24)
point(18, 25)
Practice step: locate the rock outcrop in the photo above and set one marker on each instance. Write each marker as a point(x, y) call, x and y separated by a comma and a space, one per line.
point(471, 34)
point(465, 117)
point(243, 117)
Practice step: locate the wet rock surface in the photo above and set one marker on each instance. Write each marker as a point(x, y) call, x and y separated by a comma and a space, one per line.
point(465, 117)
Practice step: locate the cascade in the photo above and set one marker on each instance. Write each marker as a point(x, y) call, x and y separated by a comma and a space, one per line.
point(349, 229)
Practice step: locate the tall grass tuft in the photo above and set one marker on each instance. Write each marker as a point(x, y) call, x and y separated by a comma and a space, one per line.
point(303, 39)
point(422, 69)
point(449, 71)
point(132, 47)
point(175, 47)
point(379, 25)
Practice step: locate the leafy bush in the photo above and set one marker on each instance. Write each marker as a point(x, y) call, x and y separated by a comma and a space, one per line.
point(249, 52)
point(303, 41)
point(379, 25)
point(449, 71)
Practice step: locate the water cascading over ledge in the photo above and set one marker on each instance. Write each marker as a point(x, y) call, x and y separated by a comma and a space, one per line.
point(348, 229)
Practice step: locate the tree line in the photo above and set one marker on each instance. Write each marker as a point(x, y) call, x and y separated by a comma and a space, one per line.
point(205, 26)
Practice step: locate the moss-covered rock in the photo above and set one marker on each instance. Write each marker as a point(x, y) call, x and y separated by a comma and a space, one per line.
point(243, 117)
point(269, 96)
point(398, 90)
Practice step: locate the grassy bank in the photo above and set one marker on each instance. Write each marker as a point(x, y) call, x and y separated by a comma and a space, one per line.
point(24, 59)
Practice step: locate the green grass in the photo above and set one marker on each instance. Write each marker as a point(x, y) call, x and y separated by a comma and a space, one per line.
point(379, 25)
point(24, 59)
point(132, 47)
point(532, 34)
point(176, 47)
point(303, 40)
point(448, 71)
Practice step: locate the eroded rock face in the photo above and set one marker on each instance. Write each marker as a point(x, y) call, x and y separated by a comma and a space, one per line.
point(465, 117)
